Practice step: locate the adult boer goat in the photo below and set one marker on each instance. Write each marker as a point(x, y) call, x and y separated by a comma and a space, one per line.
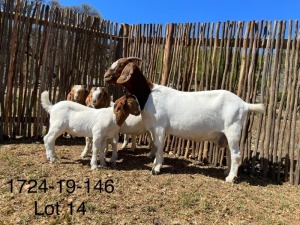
point(216, 116)
point(82, 121)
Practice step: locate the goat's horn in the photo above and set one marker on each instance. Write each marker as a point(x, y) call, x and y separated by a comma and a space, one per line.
point(134, 58)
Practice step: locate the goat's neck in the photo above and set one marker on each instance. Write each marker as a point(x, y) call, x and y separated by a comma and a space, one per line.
point(139, 86)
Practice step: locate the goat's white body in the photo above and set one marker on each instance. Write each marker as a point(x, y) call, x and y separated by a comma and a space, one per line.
point(133, 125)
point(205, 115)
point(193, 115)
point(82, 121)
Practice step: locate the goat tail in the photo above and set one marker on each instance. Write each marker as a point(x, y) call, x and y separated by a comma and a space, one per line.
point(46, 102)
point(260, 108)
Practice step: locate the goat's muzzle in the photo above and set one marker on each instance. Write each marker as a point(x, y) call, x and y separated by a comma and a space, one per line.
point(109, 78)
point(136, 113)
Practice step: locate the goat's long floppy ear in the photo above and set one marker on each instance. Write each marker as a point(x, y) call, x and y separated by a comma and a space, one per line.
point(119, 104)
point(126, 73)
point(70, 96)
point(88, 100)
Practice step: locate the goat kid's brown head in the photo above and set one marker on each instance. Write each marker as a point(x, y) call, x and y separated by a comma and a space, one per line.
point(80, 93)
point(115, 71)
point(128, 104)
point(100, 98)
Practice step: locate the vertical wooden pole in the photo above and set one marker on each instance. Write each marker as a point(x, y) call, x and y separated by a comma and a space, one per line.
point(167, 54)
point(125, 39)
point(11, 73)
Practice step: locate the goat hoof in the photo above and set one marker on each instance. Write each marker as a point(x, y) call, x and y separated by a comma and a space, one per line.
point(94, 168)
point(154, 172)
point(102, 165)
point(113, 162)
point(230, 179)
point(150, 156)
point(226, 173)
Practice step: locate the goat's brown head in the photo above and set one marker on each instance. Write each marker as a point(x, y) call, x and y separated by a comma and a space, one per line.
point(127, 73)
point(98, 98)
point(116, 69)
point(129, 104)
point(78, 94)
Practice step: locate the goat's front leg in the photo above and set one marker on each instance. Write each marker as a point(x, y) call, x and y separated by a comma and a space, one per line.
point(98, 145)
point(125, 142)
point(88, 146)
point(158, 139)
point(114, 143)
point(133, 143)
point(228, 160)
point(152, 147)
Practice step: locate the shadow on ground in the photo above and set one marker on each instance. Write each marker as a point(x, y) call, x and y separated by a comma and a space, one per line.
point(139, 160)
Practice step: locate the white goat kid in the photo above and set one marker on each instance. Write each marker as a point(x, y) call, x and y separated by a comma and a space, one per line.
point(132, 126)
point(216, 116)
point(79, 120)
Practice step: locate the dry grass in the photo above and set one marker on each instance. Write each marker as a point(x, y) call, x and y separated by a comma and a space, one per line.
point(185, 192)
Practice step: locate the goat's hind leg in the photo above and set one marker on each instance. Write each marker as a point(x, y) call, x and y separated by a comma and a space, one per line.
point(233, 137)
point(49, 141)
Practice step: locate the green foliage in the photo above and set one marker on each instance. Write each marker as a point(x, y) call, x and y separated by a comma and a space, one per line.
point(84, 8)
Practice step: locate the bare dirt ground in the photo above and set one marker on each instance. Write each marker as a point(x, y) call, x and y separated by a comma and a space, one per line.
point(33, 191)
